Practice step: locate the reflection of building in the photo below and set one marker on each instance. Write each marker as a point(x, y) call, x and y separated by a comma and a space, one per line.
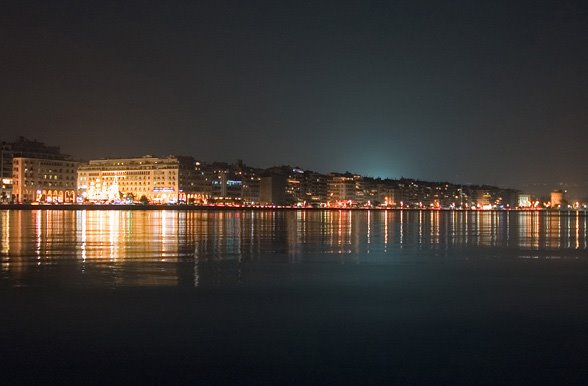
point(44, 180)
point(161, 180)
point(27, 149)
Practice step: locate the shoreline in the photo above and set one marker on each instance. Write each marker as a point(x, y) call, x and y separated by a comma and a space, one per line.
point(185, 207)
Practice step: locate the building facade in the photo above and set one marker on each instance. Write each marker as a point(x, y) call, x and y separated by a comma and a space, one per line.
point(160, 180)
point(26, 148)
point(557, 199)
point(345, 190)
point(272, 190)
point(43, 180)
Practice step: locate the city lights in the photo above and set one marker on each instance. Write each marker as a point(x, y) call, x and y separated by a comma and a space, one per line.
point(49, 177)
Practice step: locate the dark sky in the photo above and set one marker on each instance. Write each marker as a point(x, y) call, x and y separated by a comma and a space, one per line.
point(466, 91)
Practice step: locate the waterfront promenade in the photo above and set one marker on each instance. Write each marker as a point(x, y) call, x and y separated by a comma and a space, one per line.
point(187, 207)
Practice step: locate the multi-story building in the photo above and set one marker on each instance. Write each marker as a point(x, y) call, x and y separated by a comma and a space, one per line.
point(273, 190)
point(251, 186)
point(386, 195)
point(43, 180)
point(345, 190)
point(6, 156)
point(483, 199)
point(164, 180)
point(558, 199)
point(232, 183)
point(524, 201)
point(22, 148)
point(305, 187)
point(315, 188)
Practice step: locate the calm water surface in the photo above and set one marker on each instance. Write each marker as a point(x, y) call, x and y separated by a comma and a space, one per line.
point(154, 248)
point(293, 297)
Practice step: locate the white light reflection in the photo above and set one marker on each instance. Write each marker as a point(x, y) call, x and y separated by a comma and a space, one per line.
point(386, 231)
point(5, 214)
point(420, 227)
point(84, 236)
point(369, 229)
point(38, 221)
point(113, 232)
point(577, 230)
point(401, 228)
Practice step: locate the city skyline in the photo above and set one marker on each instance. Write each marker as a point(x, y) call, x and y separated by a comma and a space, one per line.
point(456, 91)
point(39, 150)
point(31, 171)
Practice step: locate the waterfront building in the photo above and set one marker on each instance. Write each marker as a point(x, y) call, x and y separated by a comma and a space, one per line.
point(524, 201)
point(6, 156)
point(22, 148)
point(191, 188)
point(161, 180)
point(483, 199)
point(345, 190)
point(386, 195)
point(202, 184)
point(305, 187)
point(272, 190)
point(505, 198)
point(413, 194)
point(250, 189)
point(44, 180)
point(557, 199)
point(314, 188)
point(232, 183)
point(227, 187)
point(341, 190)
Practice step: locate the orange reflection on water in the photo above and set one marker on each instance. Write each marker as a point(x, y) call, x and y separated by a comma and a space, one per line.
point(171, 247)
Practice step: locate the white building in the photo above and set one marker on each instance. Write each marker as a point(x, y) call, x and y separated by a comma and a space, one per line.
point(160, 179)
point(524, 201)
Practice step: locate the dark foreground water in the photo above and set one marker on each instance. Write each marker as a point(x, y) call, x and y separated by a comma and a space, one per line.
point(293, 297)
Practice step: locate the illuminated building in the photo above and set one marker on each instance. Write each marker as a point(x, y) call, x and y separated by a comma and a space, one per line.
point(44, 180)
point(164, 180)
point(386, 195)
point(22, 148)
point(483, 199)
point(557, 199)
point(232, 183)
point(524, 201)
point(345, 190)
point(226, 183)
point(341, 188)
point(306, 187)
point(200, 184)
point(250, 189)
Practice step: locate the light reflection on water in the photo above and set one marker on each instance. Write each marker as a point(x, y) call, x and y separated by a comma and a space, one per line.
point(112, 248)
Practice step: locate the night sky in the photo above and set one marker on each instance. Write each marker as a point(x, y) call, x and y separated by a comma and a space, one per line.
point(466, 91)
